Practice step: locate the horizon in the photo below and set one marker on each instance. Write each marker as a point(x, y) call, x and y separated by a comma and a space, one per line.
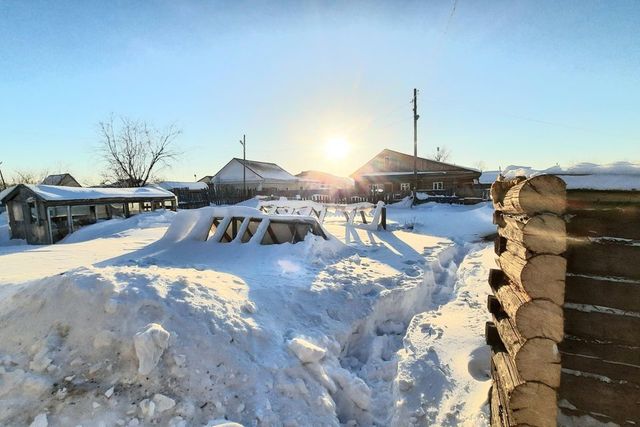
point(317, 86)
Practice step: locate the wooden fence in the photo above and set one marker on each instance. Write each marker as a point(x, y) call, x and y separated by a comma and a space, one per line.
point(565, 334)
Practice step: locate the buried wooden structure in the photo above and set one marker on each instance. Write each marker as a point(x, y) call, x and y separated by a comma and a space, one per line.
point(565, 334)
point(44, 214)
point(239, 224)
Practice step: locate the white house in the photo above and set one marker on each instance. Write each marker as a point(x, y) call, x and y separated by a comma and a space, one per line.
point(260, 176)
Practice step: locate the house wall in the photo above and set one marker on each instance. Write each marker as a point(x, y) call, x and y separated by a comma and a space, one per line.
point(459, 185)
point(232, 173)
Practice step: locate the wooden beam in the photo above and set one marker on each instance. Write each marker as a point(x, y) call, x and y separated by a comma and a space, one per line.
point(605, 350)
point(616, 399)
point(616, 328)
point(603, 258)
point(541, 234)
point(622, 294)
point(617, 222)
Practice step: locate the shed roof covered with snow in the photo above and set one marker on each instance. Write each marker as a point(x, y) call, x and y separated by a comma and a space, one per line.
point(63, 179)
point(256, 171)
point(54, 193)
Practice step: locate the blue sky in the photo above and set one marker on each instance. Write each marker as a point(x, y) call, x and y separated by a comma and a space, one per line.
point(502, 82)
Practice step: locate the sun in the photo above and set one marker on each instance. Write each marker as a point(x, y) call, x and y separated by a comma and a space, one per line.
point(337, 148)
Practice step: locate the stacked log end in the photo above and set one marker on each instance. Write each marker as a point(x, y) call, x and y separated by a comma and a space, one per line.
point(601, 348)
point(527, 301)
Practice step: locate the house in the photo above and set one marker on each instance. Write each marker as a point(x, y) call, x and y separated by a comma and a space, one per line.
point(191, 195)
point(324, 187)
point(62, 179)
point(390, 174)
point(43, 214)
point(261, 177)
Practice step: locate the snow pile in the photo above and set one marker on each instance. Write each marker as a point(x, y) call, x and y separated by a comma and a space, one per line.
point(378, 328)
point(5, 232)
point(463, 223)
point(119, 227)
point(613, 176)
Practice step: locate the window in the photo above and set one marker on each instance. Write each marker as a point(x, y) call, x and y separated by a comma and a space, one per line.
point(438, 185)
point(405, 186)
point(17, 212)
point(376, 188)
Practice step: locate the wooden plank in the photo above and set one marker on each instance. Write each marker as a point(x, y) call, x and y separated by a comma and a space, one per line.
point(603, 258)
point(617, 328)
point(541, 276)
point(528, 403)
point(618, 400)
point(499, 244)
point(495, 408)
point(541, 234)
point(605, 350)
point(592, 365)
point(539, 194)
point(618, 222)
point(622, 294)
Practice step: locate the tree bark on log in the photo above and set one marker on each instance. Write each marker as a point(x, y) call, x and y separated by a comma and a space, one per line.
point(541, 276)
point(541, 234)
point(534, 318)
point(537, 359)
point(528, 403)
point(540, 194)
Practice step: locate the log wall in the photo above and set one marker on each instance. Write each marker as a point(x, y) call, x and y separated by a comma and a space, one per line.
point(565, 329)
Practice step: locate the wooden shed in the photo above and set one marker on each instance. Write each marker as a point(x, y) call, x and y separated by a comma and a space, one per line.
point(44, 214)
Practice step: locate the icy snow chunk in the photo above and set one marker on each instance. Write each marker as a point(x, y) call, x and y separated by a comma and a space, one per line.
point(147, 408)
point(150, 343)
point(40, 421)
point(103, 339)
point(306, 351)
point(222, 423)
point(162, 402)
point(109, 392)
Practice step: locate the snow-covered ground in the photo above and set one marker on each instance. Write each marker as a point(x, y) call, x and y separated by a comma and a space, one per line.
point(118, 326)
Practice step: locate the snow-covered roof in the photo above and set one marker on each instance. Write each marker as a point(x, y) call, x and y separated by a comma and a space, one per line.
point(170, 185)
point(612, 176)
point(59, 179)
point(6, 191)
point(268, 170)
point(59, 193)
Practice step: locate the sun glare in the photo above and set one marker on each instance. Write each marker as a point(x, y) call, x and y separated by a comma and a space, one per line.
point(336, 148)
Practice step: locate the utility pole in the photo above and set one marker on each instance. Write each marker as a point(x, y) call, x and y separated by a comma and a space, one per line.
point(415, 143)
point(243, 141)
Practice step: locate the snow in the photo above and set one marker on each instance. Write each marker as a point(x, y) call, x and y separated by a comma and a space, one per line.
point(54, 192)
point(171, 185)
point(132, 326)
point(612, 176)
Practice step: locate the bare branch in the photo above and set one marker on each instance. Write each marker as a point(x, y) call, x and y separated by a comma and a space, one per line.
point(132, 150)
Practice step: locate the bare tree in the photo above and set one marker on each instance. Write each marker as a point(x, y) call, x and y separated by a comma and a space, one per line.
point(29, 176)
point(133, 150)
point(442, 154)
point(480, 165)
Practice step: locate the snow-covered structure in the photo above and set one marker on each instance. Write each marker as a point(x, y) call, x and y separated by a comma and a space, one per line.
point(61, 179)
point(43, 214)
point(260, 176)
point(613, 176)
point(191, 195)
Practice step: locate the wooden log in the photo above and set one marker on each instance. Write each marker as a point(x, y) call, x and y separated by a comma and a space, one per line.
point(496, 409)
point(592, 365)
point(537, 359)
point(616, 222)
point(542, 234)
point(605, 350)
point(540, 194)
point(616, 399)
point(572, 412)
point(499, 244)
point(541, 276)
point(617, 328)
point(622, 294)
point(578, 199)
point(537, 318)
point(500, 187)
point(528, 403)
point(603, 258)
point(518, 250)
